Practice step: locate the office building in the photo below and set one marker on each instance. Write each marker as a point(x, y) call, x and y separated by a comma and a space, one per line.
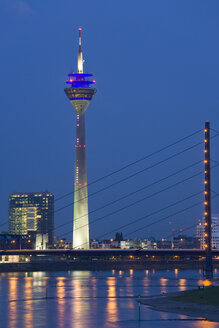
point(32, 212)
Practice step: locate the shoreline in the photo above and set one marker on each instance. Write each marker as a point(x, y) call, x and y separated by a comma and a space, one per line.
point(63, 265)
point(165, 303)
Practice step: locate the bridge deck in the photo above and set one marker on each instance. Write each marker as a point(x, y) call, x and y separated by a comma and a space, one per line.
point(108, 252)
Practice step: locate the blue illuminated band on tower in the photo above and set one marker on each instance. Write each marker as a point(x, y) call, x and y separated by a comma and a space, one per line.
point(80, 93)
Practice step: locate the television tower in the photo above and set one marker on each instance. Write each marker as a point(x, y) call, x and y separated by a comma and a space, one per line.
point(80, 93)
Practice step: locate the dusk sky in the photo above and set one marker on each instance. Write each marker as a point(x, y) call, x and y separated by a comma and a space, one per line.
point(156, 66)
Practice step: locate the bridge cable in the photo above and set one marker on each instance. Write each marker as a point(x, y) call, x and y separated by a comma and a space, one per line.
point(133, 203)
point(130, 176)
point(150, 214)
point(133, 163)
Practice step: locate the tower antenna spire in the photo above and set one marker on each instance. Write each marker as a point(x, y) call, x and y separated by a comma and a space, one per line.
point(80, 56)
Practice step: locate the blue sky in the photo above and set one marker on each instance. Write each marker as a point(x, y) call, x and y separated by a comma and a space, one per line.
point(156, 69)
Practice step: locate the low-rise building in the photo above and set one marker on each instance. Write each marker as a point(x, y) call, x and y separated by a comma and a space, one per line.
point(164, 244)
point(185, 242)
point(148, 244)
point(9, 241)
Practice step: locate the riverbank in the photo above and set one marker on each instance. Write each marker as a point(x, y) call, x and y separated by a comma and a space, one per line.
point(194, 303)
point(46, 264)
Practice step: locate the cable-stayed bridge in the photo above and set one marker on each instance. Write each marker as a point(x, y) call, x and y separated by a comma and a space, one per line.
point(180, 176)
point(177, 190)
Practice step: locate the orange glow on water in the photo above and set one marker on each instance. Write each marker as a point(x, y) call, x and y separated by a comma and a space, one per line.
point(60, 293)
point(13, 305)
point(207, 283)
point(112, 306)
point(79, 291)
point(163, 283)
point(182, 284)
point(28, 304)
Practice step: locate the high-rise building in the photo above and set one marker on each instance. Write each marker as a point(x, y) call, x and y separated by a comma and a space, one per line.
point(32, 212)
point(80, 93)
point(200, 232)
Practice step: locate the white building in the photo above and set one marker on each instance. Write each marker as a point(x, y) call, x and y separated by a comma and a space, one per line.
point(214, 231)
point(149, 244)
point(137, 243)
point(41, 241)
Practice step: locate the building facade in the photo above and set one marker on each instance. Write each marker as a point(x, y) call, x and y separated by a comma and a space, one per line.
point(200, 232)
point(32, 212)
point(8, 241)
point(185, 242)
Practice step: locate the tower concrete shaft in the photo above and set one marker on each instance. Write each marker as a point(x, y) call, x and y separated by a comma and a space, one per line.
point(81, 221)
point(80, 94)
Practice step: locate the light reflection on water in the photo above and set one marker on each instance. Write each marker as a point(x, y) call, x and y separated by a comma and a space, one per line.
point(60, 292)
point(79, 299)
point(205, 324)
point(163, 283)
point(182, 284)
point(12, 295)
point(28, 304)
point(111, 305)
point(80, 292)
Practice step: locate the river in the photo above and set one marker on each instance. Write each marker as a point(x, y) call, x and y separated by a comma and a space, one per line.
point(92, 299)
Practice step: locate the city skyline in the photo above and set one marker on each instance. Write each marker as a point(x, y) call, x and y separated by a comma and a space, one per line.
point(37, 137)
point(112, 222)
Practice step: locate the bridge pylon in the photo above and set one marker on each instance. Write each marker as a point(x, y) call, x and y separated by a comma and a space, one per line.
point(207, 203)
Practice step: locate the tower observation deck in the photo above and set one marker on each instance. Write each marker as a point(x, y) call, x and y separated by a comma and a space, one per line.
point(80, 93)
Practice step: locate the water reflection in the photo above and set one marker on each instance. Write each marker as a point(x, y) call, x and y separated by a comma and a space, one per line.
point(13, 312)
point(182, 284)
point(128, 290)
point(60, 293)
point(94, 286)
point(205, 324)
point(112, 306)
point(35, 275)
point(80, 274)
point(92, 299)
point(200, 271)
point(94, 293)
point(163, 284)
point(146, 289)
point(28, 303)
point(164, 315)
point(80, 306)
